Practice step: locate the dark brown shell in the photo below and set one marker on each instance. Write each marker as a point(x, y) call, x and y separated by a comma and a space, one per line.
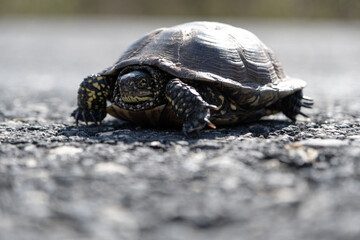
point(232, 58)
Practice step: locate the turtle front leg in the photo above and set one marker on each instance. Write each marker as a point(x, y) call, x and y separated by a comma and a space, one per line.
point(189, 106)
point(92, 95)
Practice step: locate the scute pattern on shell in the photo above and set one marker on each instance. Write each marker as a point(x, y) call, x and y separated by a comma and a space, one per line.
point(233, 59)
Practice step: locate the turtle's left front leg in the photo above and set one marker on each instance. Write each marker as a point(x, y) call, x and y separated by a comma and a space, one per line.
point(189, 106)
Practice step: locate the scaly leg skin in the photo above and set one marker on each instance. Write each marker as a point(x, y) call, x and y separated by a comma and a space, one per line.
point(189, 106)
point(92, 95)
point(291, 105)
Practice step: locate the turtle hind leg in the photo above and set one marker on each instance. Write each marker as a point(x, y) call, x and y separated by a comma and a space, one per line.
point(291, 105)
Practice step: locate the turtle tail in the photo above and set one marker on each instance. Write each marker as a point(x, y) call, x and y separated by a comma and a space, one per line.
point(291, 105)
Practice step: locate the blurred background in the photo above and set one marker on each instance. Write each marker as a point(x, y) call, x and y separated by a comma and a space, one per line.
point(343, 9)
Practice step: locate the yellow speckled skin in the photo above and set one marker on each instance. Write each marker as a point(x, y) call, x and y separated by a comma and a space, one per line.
point(93, 92)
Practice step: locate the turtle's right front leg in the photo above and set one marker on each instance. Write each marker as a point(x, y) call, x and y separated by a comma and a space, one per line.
point(92, 95)
point(189, 106)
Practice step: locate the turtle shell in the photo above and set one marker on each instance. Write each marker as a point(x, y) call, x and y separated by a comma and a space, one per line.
point(233, 59)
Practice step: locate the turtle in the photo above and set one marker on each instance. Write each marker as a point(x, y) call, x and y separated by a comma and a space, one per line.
point(192, 75)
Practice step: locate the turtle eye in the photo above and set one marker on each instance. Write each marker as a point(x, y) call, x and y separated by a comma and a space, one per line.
point(142, 83)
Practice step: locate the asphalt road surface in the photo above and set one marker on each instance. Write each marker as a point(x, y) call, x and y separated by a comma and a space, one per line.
point(268, 180)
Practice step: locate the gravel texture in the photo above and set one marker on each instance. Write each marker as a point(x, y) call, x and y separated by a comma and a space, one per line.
point(272, 179)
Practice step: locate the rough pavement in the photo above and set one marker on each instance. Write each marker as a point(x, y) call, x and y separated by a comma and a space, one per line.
point(268, 180)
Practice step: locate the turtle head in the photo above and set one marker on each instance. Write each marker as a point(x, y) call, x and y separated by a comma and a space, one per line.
point(138, 89)
point(135, 87)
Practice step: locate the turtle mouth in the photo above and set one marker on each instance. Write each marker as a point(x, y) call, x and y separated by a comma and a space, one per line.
point(139, 97)
point(136, 102)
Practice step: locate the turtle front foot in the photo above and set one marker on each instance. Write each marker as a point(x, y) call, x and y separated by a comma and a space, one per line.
point(189, 106)
point(86, 115)
point(198, 120)
point(93, 92)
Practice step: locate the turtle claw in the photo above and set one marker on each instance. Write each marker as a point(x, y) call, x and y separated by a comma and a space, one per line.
point(306, 105)
point(76, 115)
point(196, 123)
point(100, 116)
point(93, 117)
point(210, 124)
point(303, 114)
point(85, 115)
point(211, 107)
point(308, 99)
point(305, 101)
